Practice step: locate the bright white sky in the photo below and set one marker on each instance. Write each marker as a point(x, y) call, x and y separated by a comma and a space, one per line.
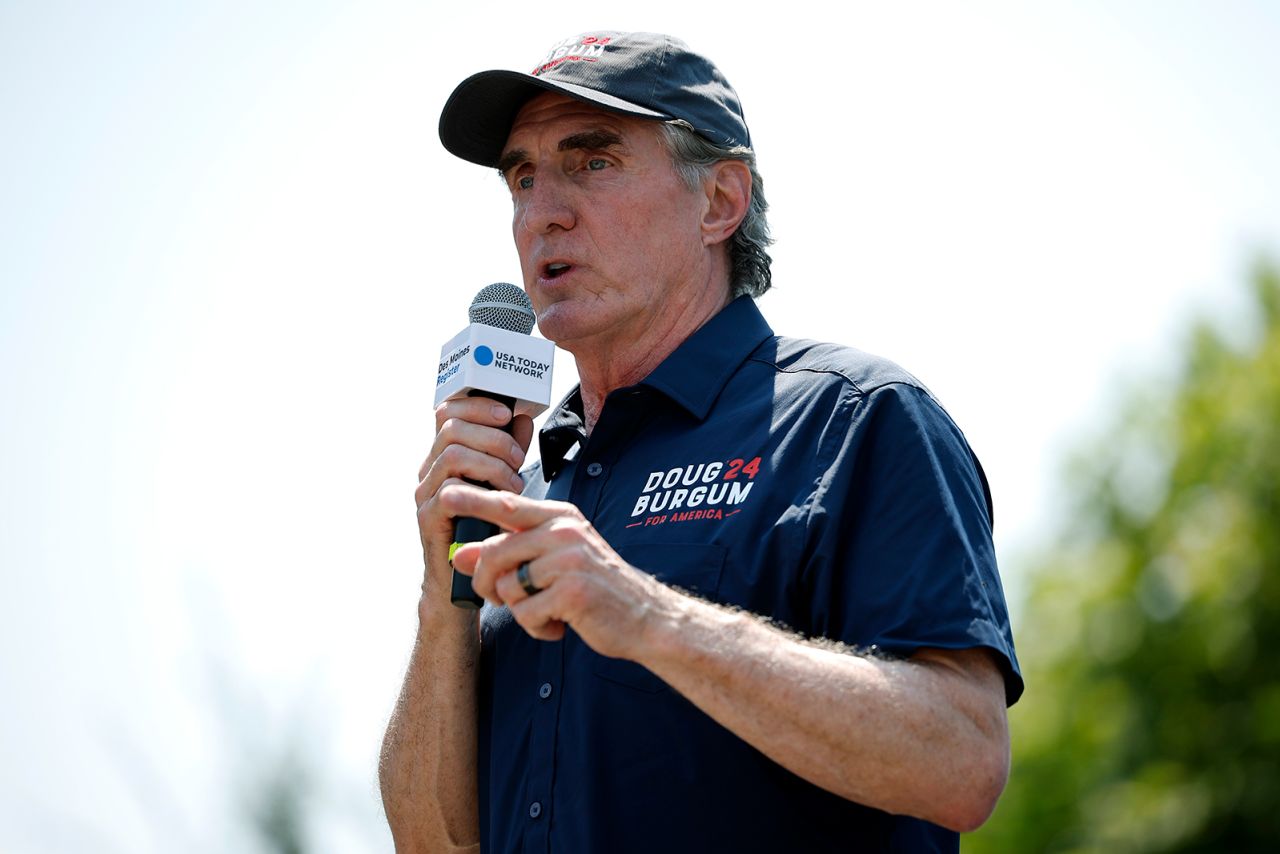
point(231, 246)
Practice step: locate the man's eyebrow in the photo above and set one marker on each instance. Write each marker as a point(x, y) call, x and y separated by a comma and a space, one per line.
point(591, 140)
point(510, 160)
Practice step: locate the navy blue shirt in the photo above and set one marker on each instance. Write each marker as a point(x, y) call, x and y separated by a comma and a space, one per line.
point(810, 483)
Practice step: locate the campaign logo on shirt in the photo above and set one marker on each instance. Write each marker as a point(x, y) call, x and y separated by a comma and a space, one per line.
point(695, 492)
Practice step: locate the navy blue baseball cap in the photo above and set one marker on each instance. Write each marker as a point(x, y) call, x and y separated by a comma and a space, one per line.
point(637, 74)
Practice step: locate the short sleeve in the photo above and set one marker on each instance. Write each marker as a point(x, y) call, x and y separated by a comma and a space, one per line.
point(899, 553)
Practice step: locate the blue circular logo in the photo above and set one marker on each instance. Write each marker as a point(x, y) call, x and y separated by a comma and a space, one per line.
point(484, 355)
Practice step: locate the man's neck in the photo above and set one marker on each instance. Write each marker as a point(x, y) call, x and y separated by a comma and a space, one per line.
point(621, 363)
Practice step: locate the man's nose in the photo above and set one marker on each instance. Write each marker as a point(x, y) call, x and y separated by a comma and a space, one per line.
point(546, 205)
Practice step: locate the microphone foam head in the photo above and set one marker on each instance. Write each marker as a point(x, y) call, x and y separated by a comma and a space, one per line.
point(504, 306)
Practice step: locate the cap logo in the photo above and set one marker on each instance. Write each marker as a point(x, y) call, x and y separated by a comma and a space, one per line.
point(576, 49)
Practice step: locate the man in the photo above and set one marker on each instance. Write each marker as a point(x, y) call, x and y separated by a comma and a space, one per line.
point(747, 600)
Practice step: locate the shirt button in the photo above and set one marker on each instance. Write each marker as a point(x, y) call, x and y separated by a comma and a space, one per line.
point(545, 690)
point(594, 469)
point(535, 809)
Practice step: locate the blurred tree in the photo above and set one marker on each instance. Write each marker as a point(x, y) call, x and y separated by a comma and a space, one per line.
point(1151, 633)
point(277, 807)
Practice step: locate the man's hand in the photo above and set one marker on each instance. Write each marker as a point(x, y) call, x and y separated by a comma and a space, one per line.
point(582, 580)
point(926, 737)
point(470, 443)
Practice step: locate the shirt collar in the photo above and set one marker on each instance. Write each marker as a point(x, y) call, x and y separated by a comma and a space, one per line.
point(695, 373)
point(692, 377)
point(564, 428)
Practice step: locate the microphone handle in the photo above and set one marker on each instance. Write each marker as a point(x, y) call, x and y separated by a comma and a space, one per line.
point(469, 530)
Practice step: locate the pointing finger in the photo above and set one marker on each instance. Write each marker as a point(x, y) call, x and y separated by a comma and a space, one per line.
point(505, 509)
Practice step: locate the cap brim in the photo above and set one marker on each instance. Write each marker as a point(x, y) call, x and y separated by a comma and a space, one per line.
point(477, 118)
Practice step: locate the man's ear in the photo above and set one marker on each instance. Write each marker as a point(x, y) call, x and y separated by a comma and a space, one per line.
point(728, 190)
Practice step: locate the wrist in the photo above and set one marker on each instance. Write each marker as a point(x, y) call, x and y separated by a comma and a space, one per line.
point(437, 613)
point(680, 629)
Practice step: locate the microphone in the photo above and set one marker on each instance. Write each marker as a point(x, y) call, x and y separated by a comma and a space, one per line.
point(494, 357)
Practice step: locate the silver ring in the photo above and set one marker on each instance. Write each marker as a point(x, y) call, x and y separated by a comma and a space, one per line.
point(522, 575)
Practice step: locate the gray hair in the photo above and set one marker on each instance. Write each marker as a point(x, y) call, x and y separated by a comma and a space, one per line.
point(693, 157)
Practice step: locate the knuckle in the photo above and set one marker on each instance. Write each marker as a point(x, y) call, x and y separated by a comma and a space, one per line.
point(452, 458)
point(439, 503)
point(509, 588)
point(448, 430)
point(563, 535)
point(448, 493)
point(575, 594)
point(570, 510)
point(579, 558)
point(428, 514)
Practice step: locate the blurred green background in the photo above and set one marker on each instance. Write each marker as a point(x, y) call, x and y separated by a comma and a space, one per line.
point(1148, 636)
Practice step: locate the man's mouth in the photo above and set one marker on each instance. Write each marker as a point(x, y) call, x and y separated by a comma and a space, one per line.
point(555, 270)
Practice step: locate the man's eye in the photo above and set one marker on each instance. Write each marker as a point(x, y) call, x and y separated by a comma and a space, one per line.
point(524, 182)
point(597, 163)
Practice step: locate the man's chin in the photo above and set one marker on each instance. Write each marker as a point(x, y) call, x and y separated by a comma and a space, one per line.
point(568, 325)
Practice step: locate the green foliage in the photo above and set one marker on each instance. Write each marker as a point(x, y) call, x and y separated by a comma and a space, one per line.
point(1150, 635)
point(278, 808)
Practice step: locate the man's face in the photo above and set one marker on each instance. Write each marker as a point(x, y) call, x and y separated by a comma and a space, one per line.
point(608, 234)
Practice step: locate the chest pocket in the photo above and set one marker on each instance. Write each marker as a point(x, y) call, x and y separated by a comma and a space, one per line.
point(694, 568)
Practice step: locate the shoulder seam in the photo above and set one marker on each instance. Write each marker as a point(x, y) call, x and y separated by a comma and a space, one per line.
point(860, 389)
